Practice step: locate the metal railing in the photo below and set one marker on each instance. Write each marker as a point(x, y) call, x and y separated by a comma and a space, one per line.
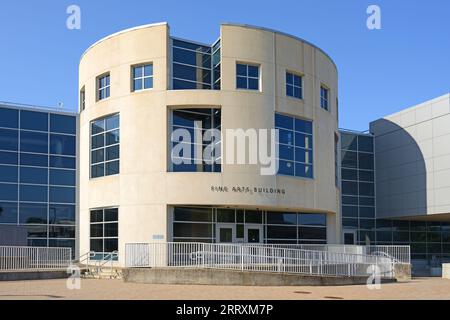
point(34, 258)
point(258, 258)
point(399, 254)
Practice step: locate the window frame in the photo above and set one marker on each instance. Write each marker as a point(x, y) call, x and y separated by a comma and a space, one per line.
point(325, 100)
point(100, 89)
point(104, 147)
point(247, 77)
point(143, 77)
point(83, 98)
point(294, 74)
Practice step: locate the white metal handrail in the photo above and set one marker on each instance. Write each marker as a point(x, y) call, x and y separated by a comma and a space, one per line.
point(254, 258)
point(34, 258)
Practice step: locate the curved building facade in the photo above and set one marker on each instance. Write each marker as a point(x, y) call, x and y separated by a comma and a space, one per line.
point(141, 89)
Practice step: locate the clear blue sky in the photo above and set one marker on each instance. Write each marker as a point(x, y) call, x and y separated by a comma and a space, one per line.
point(380, 72)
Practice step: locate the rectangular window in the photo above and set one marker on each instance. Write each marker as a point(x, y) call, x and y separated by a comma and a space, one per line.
point(142, 77)
point(103, 87)
point(247, 76)
point(105, 146)
point(324, 97)
point(82, 99)
point(104, 232)
point(188, 146)
point(295, 146)
point(294, 84)
point(195, 66)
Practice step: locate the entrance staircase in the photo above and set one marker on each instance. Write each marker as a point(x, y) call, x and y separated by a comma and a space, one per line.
point(98, 269)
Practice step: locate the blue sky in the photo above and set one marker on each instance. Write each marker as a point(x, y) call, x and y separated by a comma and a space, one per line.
point(380, 72)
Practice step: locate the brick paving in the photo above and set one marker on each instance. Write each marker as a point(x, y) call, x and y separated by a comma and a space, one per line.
point(421, 288)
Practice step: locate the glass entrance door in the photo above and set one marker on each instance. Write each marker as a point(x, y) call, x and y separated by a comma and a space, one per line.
point(253, 234)
point(226, 233)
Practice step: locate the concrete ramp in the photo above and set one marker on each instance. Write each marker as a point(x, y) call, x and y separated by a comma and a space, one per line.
point(192, 276)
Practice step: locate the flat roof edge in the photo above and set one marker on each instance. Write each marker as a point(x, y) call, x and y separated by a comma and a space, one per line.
point(144, 26)
point(280, 33)
point(29, 107)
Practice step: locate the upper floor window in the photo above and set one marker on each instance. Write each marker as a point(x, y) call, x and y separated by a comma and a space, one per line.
point(83, 99)
point(295, 146)
point(142, 77)
point(324, 97)
point(105, 146)
point(247, 76)
point(103, 87)
point(294, 84)
point(196, 140)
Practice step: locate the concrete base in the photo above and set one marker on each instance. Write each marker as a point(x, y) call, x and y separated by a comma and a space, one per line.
point(232, 278)
point(33, 275)
point(446, 270)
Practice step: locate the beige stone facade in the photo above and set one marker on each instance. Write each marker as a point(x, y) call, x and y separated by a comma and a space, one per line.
point(146, 190)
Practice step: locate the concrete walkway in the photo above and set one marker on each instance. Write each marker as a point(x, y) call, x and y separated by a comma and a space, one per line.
point(422, 288)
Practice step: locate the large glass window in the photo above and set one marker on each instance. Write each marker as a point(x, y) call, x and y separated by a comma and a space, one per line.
point(36, 142)
point(193, 66)
point(295, 146)
point(103, 87)
point(31, 120)
point(190, 152)
point(142, 77)
point(9, 118)
point(247, 76)
point(105, 146)
point(63, 124)
point(294, 84)
point(104, 231)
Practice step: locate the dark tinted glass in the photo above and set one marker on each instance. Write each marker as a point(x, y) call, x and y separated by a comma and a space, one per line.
point(303, 126)
point(8, 192)
point(312, 219)
point(111, 245)
point(62, 177)
point(112, 168)
point(366, 161)
point(33, 213)
point(62, 232)
point(34, 160)
point(8, 212)
point(33, 175)
point(61, 214)
point(111, 230)
point(97, 216)
point(312, 233)
point(225, 215)
point(366, 189)
point(31, 120)
point(111, 215)
point(278, 232)
point(9, 139)
point(34, 142)
point(62, 145)
point(193, 214)
point(63, 124)
point(253, 217)
point(367, 212)
point(349, 159)
point(37, 232)
point(97, 230)
point(365, 144)
point(349, 188)
point(192, 230)
point(8, 157)
point(112, 122)
point(8, 174)
point(348, 174)
point(350, 212)
point(284, 122)
point(366, 176)
point(281, 218)
point(9, 118)
point(349, 141)
point(62, 162)
point(62, 195)
point(33, 193)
